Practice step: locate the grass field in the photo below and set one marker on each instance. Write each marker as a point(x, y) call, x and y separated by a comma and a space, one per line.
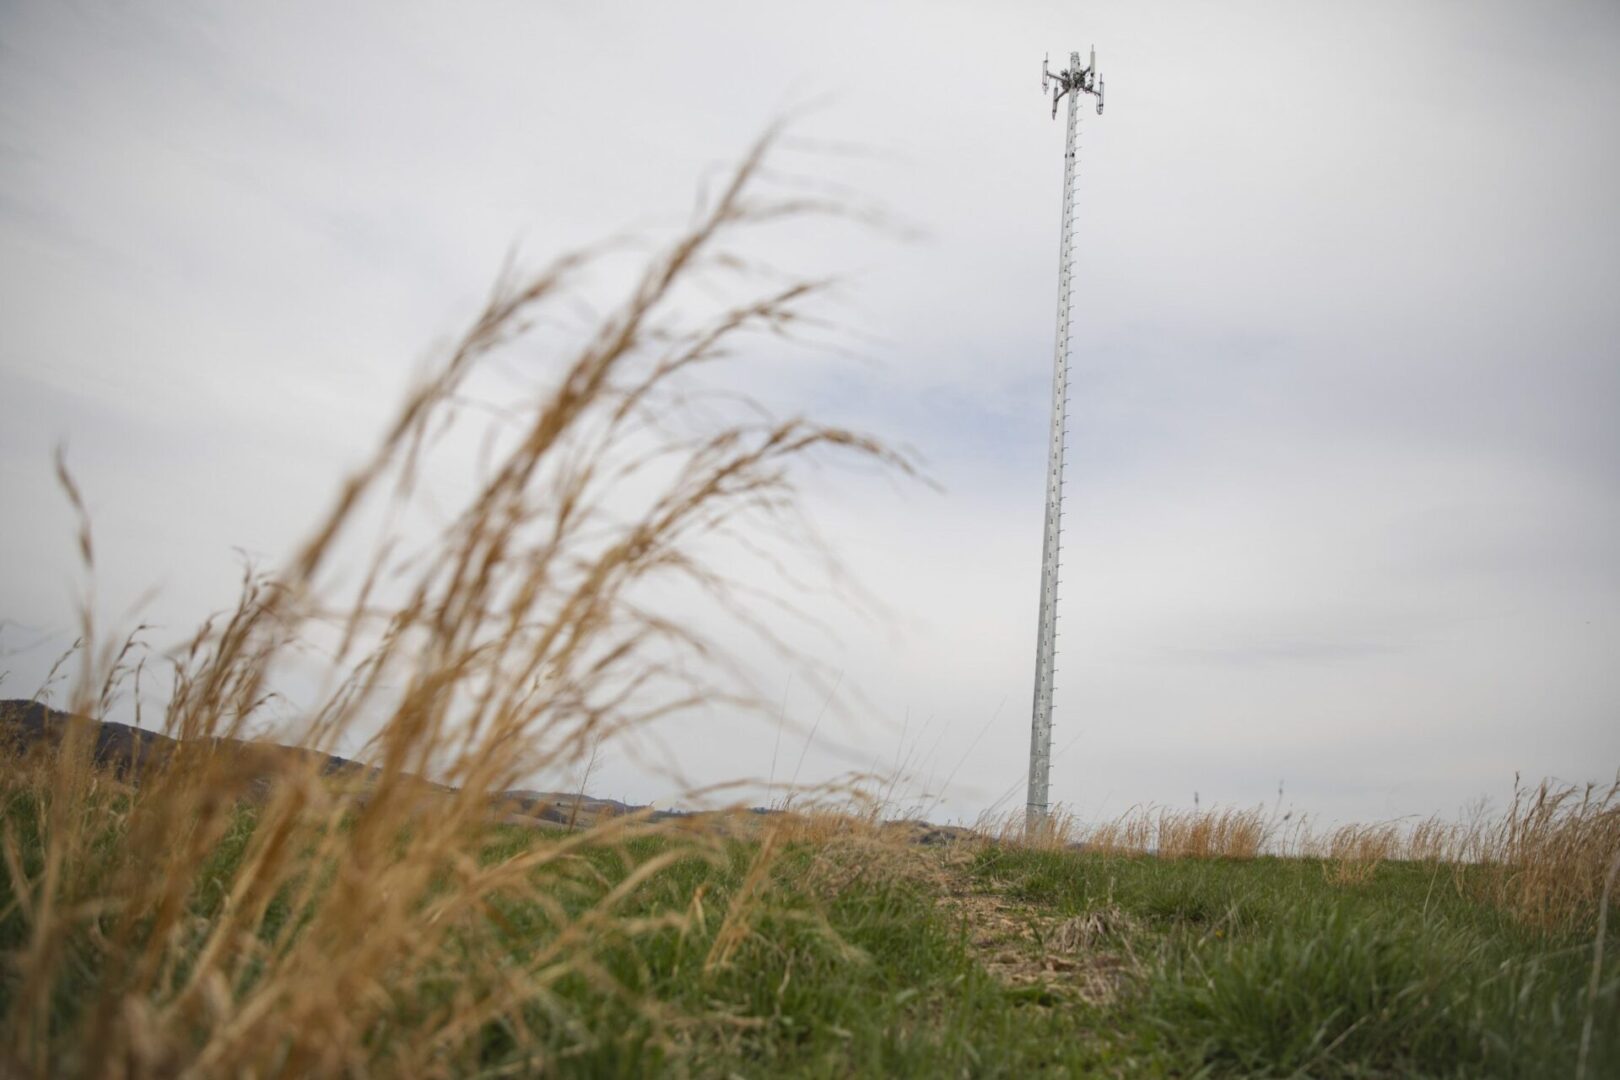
point(840, 953)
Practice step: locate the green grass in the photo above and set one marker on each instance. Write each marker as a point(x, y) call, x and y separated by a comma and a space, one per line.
point(1258, 968)
point(867, 978)
point(1263, 968)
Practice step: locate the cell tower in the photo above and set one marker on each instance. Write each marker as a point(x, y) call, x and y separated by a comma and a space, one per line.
point(1072, 82)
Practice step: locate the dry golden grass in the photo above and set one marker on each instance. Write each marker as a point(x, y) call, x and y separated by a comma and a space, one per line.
point(515, 642)
point(1057, 830)
point(1216, 833)
point(1354, 852)
point(1544, 858)
point(1550, 853)
point(1198, 834)
point(1130, 832)
point(1433, 840)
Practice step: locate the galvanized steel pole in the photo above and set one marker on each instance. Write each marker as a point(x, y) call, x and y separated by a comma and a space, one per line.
point(1070, 82)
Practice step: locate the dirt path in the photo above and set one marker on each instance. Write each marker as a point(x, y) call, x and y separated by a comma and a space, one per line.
point(1085, 957)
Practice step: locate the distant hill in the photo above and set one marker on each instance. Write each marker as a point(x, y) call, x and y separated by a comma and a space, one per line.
point(130, 751)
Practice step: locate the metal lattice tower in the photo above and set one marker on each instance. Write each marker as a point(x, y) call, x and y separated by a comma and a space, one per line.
point(1072, 82)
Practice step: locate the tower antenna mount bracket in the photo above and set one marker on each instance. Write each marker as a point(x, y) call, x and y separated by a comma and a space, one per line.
point(1076, 80)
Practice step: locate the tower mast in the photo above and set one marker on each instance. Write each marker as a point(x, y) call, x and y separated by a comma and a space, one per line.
point(1072, 82)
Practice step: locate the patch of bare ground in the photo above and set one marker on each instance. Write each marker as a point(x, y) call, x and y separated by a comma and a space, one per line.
point(1053, 959)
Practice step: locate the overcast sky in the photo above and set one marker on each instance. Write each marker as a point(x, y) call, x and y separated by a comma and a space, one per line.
point(1345, 468)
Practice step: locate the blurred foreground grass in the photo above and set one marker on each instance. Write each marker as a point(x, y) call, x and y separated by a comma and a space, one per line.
point(832, 952)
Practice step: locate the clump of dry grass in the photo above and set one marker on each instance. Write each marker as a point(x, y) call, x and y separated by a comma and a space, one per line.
point(1354, 852)
point(1059, 829)
point(1216, 833)
point(1131, 832)
point(1197, 834)
point(357, 931)
point(1083, 931)
point(1549, 853)
point(1436, 841)
point(1183, 834)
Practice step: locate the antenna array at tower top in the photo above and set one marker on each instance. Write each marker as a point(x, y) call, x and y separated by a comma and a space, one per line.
point(1076, 79)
